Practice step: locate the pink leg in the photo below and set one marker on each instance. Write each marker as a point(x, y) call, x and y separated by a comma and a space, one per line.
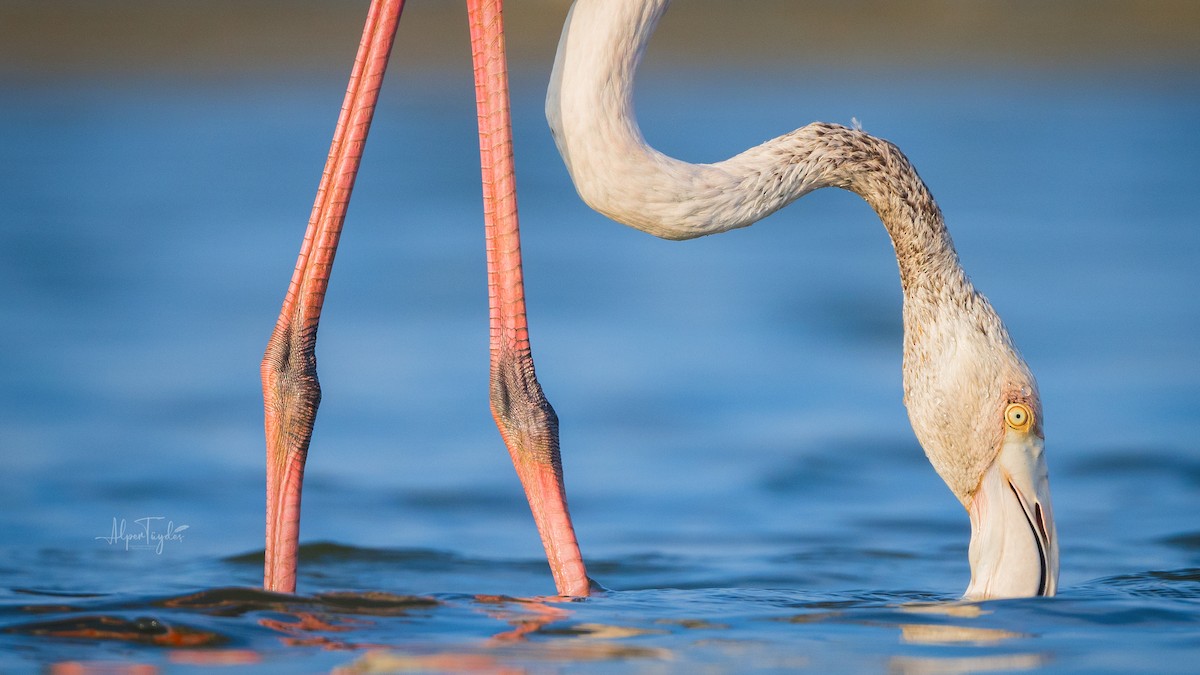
point(526, 420)
point(291, 392)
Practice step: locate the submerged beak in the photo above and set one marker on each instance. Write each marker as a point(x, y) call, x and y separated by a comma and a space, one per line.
point(1014, 547)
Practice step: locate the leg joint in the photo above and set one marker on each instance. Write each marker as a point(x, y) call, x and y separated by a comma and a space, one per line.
point(526, 419)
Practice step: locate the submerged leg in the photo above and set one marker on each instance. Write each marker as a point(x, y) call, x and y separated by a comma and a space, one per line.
point(524, 416)
point(291, 392)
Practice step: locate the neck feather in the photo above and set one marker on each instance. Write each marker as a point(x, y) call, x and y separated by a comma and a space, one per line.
point(590, 110)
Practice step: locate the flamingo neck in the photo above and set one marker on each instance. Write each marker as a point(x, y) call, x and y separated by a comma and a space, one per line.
point(590, 110)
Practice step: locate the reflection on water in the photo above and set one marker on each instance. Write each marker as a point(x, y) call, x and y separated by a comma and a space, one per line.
point(740, 465)
point(908, 665)
point(928, 634)
point(726, 629)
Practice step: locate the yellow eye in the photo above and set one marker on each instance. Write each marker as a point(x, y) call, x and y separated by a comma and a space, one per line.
point(1018, 416)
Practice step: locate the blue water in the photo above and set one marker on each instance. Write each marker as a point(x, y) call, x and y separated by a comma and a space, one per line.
point(739, 463)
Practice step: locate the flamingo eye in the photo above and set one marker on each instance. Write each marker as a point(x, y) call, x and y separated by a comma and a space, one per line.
point(1018, 416)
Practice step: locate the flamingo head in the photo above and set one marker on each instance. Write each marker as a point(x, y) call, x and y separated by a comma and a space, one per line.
point(975, 408)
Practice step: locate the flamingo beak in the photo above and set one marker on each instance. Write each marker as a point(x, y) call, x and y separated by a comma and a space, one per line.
point(1014, 546)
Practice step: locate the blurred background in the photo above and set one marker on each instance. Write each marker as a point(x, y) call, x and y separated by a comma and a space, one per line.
point(733, 401)
point(228, 38)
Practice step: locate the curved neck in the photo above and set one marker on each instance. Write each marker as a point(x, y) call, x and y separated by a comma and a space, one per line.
point(590, 110)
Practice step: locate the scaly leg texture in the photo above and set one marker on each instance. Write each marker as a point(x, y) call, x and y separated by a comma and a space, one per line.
point(526, 420)
point(291, 392)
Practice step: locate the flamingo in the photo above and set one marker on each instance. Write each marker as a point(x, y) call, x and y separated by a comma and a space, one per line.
point(291, 392)
point(971, 399)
